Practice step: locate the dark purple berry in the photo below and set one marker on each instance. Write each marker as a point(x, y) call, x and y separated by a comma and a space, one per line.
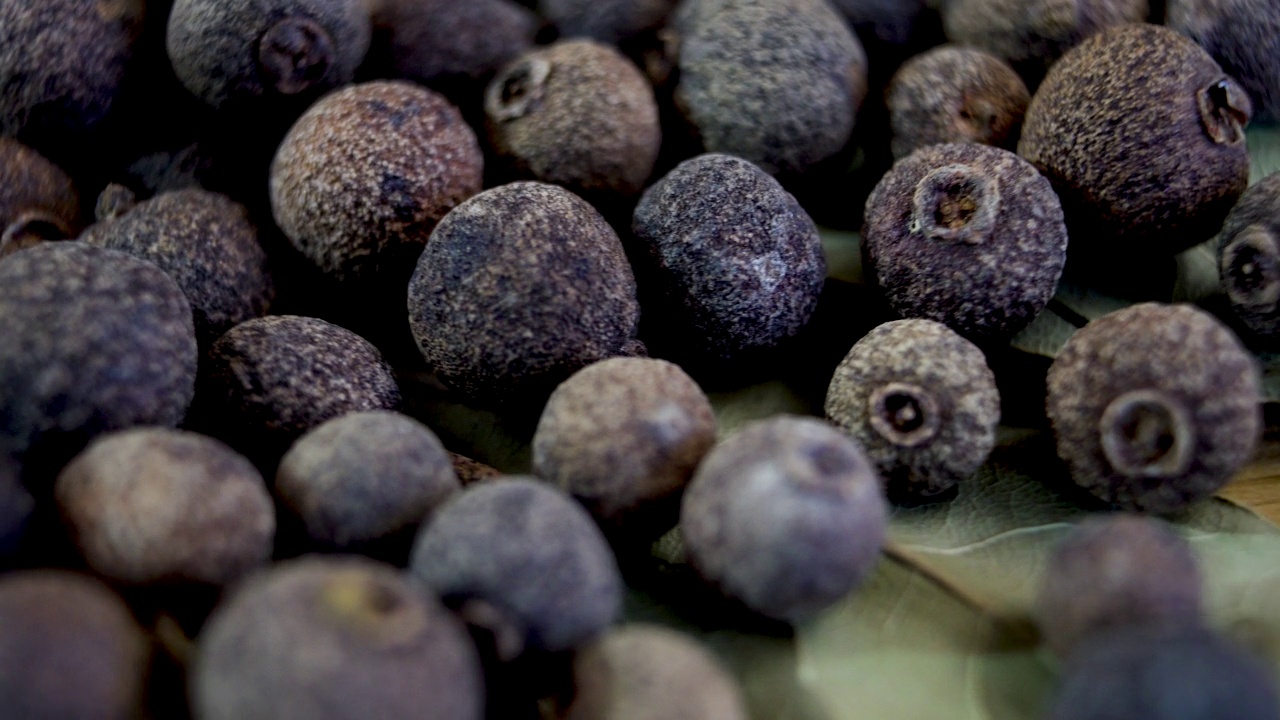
point(608, 21)
point(1243, 36)
point(1249, 258)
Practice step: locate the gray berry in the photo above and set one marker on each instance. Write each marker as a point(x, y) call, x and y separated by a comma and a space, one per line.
point(624, 436)
point(737, 263)
point(520, 287)
point(323, 638)
point(786, 516)
point(94, 340)
point(578, 114)
point(777, 82)
point(968, 235)
point(38, 201)
point(238, 53)
point(1155, 406)
point(524, 561)
point(207, 244)
point(1243, 36)
point(1249, 258)
point(364, 477)
point(921, 401)
point(1142, 135)
point(1113, 572)
point(608, 21)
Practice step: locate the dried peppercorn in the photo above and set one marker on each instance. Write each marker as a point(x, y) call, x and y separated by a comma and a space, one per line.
point(1249, 258)
point(1243, 36)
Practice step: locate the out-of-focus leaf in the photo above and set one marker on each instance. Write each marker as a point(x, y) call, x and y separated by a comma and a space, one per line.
point(1264, 150)
point(736, 408)
point(1270, 363)
point(1198, 276)
point(844, 255)
point(1045, 335)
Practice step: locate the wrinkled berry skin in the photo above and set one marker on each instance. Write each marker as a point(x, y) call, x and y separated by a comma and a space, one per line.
point(524, 561)
point(736, 263)
point(1155, 407)
point(921, 401)
point(38, 201)
point(776, 82)
point(786, 516)
point(1186, 674)
point(323, 638)
point(1142, 135)
point(1249, 259)
point(970, 236)
point(1116, 571)
point(518, 288)
point(1243, 36)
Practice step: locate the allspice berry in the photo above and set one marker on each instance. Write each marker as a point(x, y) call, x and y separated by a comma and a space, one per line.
point(952, 95)
point(38, 201)
point(207, 244)
point(608, 21)
point(365, 174)
point(923, 404)
point(968, 235)
point(1155, 406)
point(244, 53)
point(520, 287)
point(624, 436)
point(1249, 258)
point(777, 82)
point(1243, 36)
point(736, 263)
point(1142, 135)
point(154, 506)
point(578, 114)
point(324, 638)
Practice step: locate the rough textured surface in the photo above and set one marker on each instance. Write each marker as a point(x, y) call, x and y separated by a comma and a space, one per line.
point(1249, 258)
point(523, 560)
point(70, 649)
point(235, 52)
point(786, 516)
point(1190, 674)
point(16, 508)
point(363, 177)
point(624, 436)
point(952, 95)
point(155, 506)
point(738, 264)
point(609, 21)
point(888, 21)
point(38, 201)
point(777, 82)
point(207, 244)
point(1031, 36)
point(1142, 136)
point(325, 638)
point(1114, 572)
point(363, 477)
point(520, 287)
point(61, 66)
point(577, 114)
point(968, 235)
point(271, 379)
point(647, 672)
point(1243, 36)
point(921, 402)
point(94, 340)
point(1155, 406)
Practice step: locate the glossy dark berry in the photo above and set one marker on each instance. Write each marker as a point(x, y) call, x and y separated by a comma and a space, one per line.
point(1249, 258)
point(968, 235)
point(921, 401)
point(38, 201)
point(786, 516)
point(1243, 36)
point(1155, 406)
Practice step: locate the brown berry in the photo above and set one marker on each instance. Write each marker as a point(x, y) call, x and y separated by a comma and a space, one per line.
point(1243, 36)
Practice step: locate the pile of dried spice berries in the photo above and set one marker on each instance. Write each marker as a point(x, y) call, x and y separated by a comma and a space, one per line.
point(275, 273)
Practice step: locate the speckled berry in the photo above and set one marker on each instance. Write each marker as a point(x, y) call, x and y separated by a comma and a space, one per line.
point(1243, 36)
point(609, 21)
point(953, 95)
point(94, 340)
point(1142, 136)
point(578, 114)
point(786, 516)
point(1114, 572)
point(921, 401)
point(968, 235)
point(240, 53)
point(38, 201)
point(1249, 258)
point(363, 177)
point(324, 638)
point(624, 436)
point(520, 287)
point(1155, 407)
point(737, 264)
point(364, 478)
point(207, 244)
point(524, 562)
point(777, 82)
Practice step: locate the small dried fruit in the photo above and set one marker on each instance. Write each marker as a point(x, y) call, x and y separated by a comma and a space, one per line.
point(38, 201)
point(1249, 258)
point(1243, 36)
